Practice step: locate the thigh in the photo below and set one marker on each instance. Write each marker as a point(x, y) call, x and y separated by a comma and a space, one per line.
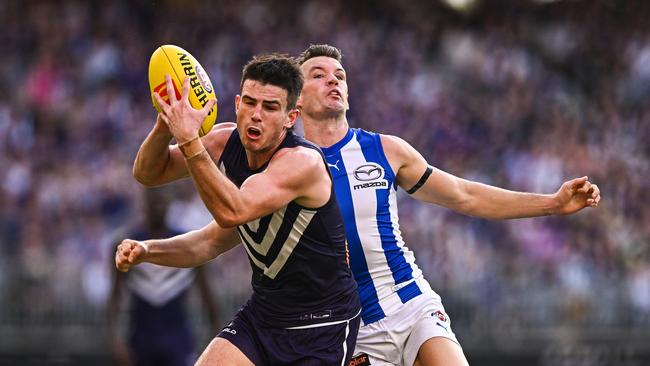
point(220, 352)
point(440, 351)
point(431, 337)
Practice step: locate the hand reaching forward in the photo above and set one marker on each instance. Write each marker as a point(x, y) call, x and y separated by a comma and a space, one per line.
point(129, 253)
point(182, 119)
point(576, 194)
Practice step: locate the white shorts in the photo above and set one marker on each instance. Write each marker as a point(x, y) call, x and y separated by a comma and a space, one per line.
point(396, 339)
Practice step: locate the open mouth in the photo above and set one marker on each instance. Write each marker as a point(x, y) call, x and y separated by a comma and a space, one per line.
point(253, 132)
point(334, 93)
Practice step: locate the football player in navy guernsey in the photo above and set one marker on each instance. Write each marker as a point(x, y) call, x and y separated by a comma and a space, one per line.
point(403, 319)
point(159, 329)
point(270, 190)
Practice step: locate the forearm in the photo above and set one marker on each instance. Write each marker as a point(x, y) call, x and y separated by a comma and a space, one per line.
point(496, 203)
point(153, 156)
point(220, 195)
point(187, 250)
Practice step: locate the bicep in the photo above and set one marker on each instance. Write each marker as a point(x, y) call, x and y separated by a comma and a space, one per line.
point(175, 168)
point(440, 187)
point(265, 193)
point(297, 175)
point(214, 142)
point(443, 189)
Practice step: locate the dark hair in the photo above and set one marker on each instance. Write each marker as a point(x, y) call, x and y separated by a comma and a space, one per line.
point(276, 69)
point(317, 50)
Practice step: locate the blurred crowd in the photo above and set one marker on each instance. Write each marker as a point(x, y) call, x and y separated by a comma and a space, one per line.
point(522, 95)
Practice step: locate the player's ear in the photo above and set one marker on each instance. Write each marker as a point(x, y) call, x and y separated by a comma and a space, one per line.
point(292, 118)
point(237, 100)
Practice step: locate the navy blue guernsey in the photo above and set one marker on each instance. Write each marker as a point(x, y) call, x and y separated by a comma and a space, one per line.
point(298, 255)
point(159, 304)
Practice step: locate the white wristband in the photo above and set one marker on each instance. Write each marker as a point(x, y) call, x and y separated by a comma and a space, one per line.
point(143, 245)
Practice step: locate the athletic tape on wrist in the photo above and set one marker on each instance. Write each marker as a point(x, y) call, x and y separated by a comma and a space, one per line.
point(144, 245)
point(191, 148)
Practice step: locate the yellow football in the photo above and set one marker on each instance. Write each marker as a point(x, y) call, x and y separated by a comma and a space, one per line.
point(178, 63)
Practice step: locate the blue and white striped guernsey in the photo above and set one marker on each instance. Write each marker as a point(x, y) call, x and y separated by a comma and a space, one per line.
point(383, 266)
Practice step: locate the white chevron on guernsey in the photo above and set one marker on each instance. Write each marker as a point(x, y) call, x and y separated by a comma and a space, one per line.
point(297, 229)
point(159, 284)
point(263, 247)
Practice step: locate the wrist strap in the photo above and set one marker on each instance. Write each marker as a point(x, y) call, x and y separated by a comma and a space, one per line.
point(192, 148)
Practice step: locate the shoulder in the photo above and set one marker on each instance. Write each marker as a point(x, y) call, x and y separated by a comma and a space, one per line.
point(299, 157)
point(298, 164)
point(396, 148)
point(217, 138)
point(389, 143)
point(400, 154)
point(393, 142)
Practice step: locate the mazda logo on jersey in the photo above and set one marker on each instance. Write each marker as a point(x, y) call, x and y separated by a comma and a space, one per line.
point(371, 175)
point(368, 172)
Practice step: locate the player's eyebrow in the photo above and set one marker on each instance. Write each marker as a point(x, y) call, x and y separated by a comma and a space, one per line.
point(272, 103)
point(320, 68)
point(248, 98)
point(267, 103)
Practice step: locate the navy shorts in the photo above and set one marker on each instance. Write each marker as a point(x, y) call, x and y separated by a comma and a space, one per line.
point(324, 345)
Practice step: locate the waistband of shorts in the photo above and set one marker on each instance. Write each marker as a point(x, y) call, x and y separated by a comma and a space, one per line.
point(420, 281)
point(393, 302)
point(325, 324)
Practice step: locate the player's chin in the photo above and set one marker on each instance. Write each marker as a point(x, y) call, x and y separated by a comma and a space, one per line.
point(334, 110)
point(252, 145)
point(336, 105)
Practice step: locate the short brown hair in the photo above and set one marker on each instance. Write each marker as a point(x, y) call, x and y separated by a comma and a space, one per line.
point(276, 69)
point(317, 50)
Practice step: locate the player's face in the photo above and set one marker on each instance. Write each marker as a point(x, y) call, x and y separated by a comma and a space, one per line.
point(325, 92)
point(262, 115)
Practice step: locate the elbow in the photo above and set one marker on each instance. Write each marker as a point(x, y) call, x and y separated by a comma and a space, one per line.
point(465, 200)
point(228, 220)
point(475, 208)
point(141, 176)
point(466, 206)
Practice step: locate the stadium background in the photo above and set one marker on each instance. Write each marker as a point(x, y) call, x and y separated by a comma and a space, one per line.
point(520, 94)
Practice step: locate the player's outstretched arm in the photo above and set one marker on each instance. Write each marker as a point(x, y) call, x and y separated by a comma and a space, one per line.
point(187, 250)
point(478, 199)
point(158, 163)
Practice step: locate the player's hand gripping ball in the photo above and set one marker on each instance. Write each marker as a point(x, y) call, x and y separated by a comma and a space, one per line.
point(178, 63)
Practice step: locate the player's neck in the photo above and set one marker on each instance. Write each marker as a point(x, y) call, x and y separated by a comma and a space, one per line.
point(325, 132)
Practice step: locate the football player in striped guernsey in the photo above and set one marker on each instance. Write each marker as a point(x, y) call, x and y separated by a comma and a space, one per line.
point(403, 319)
point(272, 191)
